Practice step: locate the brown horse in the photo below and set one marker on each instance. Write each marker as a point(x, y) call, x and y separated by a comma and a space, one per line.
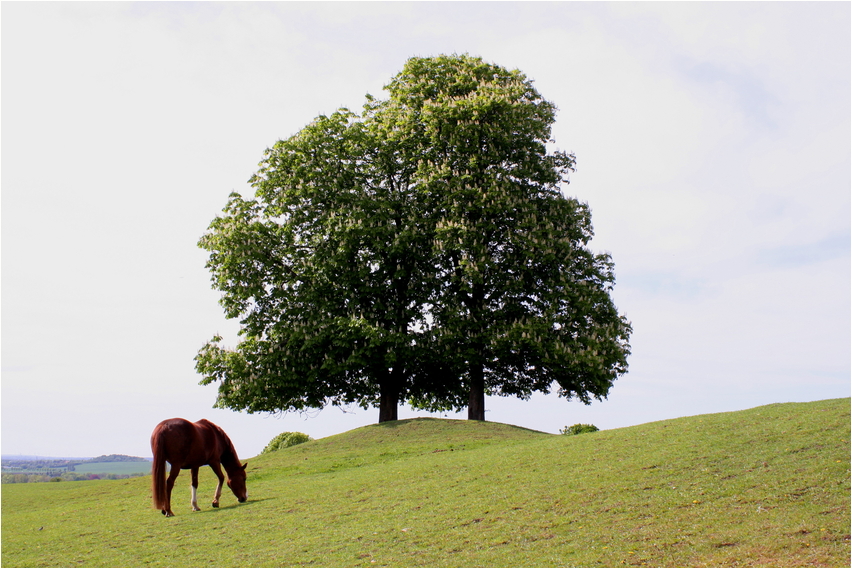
point(189, 446)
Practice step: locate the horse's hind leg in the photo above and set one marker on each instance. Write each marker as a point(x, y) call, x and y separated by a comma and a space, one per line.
point(194, 487)
point(218, 470)
point(170, 483)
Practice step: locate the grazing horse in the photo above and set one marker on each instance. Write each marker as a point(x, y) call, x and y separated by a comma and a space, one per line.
point(189, 446)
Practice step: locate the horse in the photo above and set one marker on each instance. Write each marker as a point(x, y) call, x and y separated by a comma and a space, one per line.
point(189, 446)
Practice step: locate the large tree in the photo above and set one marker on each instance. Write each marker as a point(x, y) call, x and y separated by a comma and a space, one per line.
point(329, 268)
point(422, 251)
point(522, 304)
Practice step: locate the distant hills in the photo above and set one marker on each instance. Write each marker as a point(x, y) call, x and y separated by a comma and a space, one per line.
point(74, 459)
point(118, 458)
point(17, 469)
point(20, 457)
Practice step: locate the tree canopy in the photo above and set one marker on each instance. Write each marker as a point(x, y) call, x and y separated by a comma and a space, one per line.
point(421, 251)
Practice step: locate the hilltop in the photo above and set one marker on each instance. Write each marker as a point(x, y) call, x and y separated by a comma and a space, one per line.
point(118, 458)
point(764, 487)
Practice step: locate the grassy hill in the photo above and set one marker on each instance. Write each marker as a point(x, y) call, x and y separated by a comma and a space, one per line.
point(768, 486)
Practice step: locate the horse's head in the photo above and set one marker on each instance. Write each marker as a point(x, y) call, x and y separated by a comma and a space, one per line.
point(237, 483)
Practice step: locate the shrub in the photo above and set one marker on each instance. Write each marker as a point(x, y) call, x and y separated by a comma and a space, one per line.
point(578, 429)
point(286, 439)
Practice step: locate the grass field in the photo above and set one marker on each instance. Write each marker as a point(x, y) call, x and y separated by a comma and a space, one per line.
point(768, 486)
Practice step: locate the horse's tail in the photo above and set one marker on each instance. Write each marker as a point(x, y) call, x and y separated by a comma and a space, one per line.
point(158, 472)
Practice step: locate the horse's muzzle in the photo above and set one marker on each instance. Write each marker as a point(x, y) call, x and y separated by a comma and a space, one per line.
point(241, 500)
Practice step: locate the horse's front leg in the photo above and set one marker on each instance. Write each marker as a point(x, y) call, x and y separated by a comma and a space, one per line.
point(170, 483)
point(194, 487)
point(218, 470)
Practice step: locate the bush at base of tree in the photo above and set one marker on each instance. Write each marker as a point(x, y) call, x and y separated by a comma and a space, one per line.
point(578, 429)
point(286, 439)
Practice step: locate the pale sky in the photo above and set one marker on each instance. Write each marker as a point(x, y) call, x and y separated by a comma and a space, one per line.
point(713, 147)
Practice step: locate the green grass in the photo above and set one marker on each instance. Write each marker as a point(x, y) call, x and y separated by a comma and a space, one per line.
point(112, 467)
point(765, 487)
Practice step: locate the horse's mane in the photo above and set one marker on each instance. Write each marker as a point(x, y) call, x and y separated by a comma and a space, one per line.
point(230, 453)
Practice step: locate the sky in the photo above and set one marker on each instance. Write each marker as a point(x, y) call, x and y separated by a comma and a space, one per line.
point(712, 144)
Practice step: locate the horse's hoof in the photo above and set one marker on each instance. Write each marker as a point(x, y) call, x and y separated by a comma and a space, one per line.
point(169, 515)
point(215, 504)
point(163, 512)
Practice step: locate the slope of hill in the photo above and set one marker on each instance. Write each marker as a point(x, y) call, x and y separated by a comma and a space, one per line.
point(763, 487)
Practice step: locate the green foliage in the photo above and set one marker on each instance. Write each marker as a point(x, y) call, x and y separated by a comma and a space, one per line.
point(763, 487)
point(578, 429)
point(328, 269)
point(421, 251)
point(23, 478)
point(285, 440)
point(67, 477)
point(521, 304)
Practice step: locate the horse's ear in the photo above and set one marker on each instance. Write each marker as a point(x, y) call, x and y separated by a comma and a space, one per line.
point(244, 466)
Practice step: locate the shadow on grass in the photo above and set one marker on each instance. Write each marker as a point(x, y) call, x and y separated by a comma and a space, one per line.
point(209, 509)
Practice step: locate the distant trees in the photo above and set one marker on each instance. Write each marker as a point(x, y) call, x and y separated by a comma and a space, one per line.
point(64, 477)
point(420, 251)
point(23, 478)
point(34, 470)
point(44, 470)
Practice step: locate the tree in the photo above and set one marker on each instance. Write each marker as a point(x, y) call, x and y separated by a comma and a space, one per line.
point(329, 268)
point(422, 251)
point(521, 303)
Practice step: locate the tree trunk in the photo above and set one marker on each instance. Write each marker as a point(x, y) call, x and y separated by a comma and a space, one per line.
point(476, 403)
point(389, 400)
